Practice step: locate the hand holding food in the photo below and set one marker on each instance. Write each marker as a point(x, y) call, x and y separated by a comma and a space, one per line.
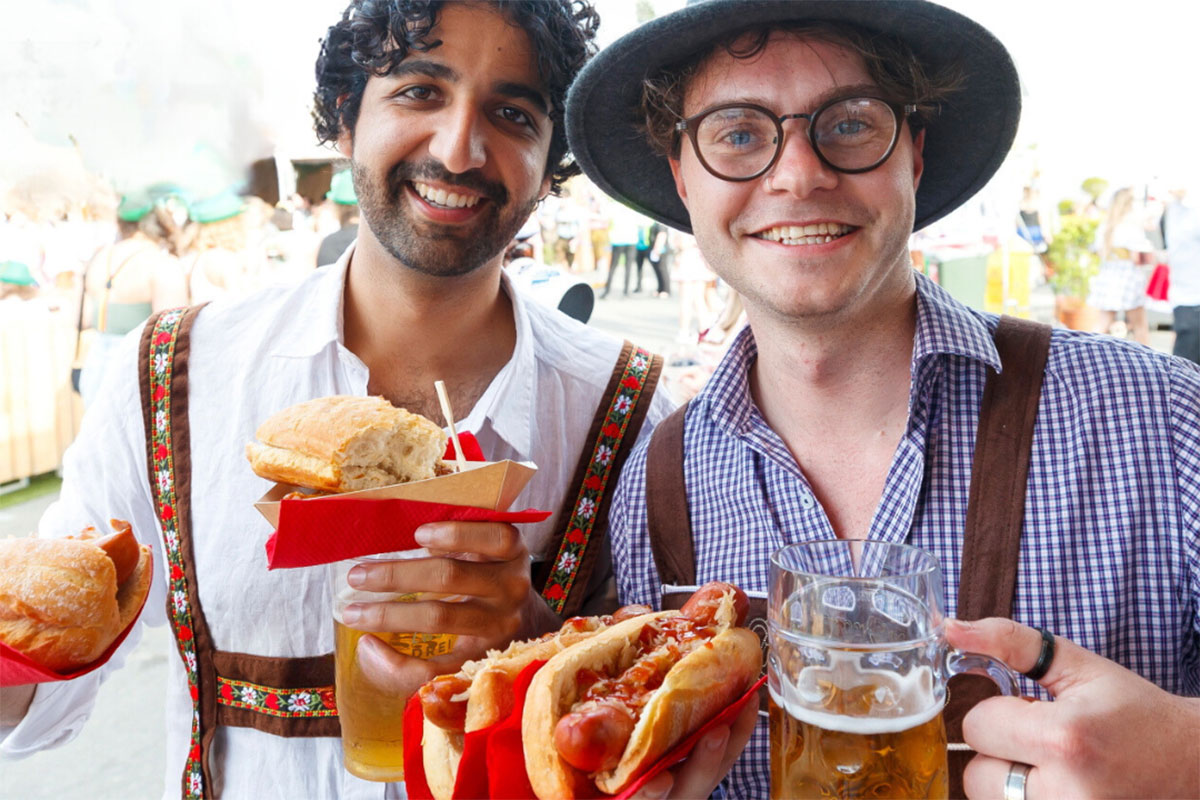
point(64, 601)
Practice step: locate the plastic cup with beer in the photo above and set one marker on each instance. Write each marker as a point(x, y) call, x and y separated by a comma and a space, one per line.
point(857, 671)
point(371, 716)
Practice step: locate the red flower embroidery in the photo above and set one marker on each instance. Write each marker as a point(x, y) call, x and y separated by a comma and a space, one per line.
point(631, 382)
point(160, 452)
point(194, 691)
point(195, 754)
point(594, 483)
point(185, 633)
point(272, 701)
point(328, 699)
point(611, 430)
point(226, 691)
point(160, 392)
point(163, 338)
point(555, 592)
point(168, 513)
point(576, 536)
point(176, 572)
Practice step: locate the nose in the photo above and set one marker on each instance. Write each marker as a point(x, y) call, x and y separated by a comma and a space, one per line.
point(799, 171)
point(458, 141)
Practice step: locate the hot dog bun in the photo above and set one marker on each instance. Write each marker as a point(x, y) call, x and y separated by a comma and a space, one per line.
point(695, 688)
point(344, 443)
point(60, 603)
point(489, 697)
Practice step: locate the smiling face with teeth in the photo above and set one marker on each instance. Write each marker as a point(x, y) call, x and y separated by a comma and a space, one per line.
point(802, 242)
point(449, 150)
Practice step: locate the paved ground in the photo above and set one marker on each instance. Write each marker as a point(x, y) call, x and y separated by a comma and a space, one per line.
point(120, 753)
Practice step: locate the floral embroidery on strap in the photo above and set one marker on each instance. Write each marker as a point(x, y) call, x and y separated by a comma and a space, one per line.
point(162, 354)
point(309, 702)
point(599, 471)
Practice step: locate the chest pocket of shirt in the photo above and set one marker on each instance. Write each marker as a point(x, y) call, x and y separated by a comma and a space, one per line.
point(673, 597)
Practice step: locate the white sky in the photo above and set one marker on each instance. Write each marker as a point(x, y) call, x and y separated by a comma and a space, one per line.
point(191, 91)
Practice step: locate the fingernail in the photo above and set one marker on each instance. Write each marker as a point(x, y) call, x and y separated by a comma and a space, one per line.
point(715, 741)
point(351, 615)
point(424, 535)
point(357, 576)
point(659, 786)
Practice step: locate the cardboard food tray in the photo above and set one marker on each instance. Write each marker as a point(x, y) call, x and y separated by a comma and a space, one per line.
point(321, 530)
point(482, 484)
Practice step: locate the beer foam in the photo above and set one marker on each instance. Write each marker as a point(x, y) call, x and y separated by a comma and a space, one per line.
point(857, 725)
point(890, 701)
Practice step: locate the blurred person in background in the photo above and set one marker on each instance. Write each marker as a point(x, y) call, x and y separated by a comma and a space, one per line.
point(124, 283)
point(598, 222)
point(220, 262)
point(567, 229)
point(1181, 230)
point(341, 194)
point(1120, 285)
point(623, 240)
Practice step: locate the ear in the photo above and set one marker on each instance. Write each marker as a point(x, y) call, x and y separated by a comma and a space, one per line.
point(680, 186)
point(918, 158)
point(345, 140)
point(544, 192)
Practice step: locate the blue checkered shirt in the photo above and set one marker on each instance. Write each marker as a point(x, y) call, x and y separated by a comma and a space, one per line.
point(1109, 549)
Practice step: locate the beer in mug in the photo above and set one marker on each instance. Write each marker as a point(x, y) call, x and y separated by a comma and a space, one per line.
point(857, 671)
point(372, 718)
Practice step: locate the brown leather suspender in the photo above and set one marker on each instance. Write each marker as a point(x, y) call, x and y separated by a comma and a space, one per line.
point(995, 508)
point(565, 577)
point(283, 696)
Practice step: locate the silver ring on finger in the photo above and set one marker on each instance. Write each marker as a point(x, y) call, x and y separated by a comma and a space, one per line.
point(1014, 782)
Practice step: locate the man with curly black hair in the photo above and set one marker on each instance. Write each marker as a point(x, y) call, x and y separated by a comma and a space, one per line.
point(451, 115)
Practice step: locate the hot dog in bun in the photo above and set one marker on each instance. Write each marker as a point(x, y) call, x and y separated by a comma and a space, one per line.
point(481, 694)
point(64, 601)
point(344, 443)
point(601, 712)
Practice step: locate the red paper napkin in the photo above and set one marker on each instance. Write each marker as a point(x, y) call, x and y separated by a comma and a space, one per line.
point(470, 447)
point(16, 668)
point(501, 765)
point(364, 527)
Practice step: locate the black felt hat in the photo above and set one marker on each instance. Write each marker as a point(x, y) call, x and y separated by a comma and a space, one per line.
point(965, 142)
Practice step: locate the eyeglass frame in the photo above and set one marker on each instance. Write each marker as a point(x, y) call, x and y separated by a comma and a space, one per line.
point(900, 113)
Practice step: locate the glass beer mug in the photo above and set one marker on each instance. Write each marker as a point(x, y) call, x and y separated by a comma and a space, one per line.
point(857, 671)
point(372, 717)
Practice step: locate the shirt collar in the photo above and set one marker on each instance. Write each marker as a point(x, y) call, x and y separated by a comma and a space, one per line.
point(315, 322)
point(944, 327)
point(506, 406)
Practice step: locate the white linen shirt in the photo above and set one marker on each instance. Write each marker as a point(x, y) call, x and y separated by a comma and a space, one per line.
point(249, 359)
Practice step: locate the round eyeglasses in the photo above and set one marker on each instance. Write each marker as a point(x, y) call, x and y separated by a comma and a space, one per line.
point(741, 141)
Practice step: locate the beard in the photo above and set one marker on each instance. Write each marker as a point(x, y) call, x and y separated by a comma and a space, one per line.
point(429, 247)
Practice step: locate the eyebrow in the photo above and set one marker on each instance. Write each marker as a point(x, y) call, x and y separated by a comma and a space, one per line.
point(442, 72)
point(834, 93)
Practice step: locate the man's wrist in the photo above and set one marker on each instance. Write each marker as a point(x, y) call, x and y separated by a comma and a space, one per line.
point(537, 617)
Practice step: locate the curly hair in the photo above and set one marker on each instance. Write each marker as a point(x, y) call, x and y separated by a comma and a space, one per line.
point(374, 36)
point(892, 66)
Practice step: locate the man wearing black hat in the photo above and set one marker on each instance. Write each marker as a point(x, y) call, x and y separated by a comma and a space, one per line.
point(1053, 474)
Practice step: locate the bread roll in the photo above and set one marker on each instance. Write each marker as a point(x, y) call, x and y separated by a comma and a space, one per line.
point(343, 444)
point(59, 600)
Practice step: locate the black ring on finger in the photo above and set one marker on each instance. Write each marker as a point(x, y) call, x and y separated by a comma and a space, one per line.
point(1046, 656)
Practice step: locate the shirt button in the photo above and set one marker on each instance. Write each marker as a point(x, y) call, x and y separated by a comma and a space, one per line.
point(806, 501)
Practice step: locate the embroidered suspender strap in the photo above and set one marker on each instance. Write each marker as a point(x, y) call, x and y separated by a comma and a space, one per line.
point(614, 429)
point(226, 688)
point(163, 374)
point(996, 505)
point(667, 515)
